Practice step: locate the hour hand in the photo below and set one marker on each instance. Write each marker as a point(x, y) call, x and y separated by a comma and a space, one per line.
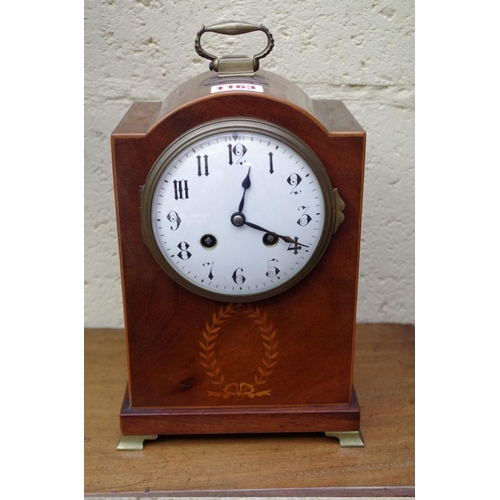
point(245, 185)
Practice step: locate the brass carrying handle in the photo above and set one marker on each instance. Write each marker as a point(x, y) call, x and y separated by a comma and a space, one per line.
point(233, 28)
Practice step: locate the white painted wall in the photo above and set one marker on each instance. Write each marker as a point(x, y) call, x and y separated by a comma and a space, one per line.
point(360, 52)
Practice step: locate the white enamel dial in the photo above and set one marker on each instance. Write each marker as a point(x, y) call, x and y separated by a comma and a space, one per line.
point(237, 210)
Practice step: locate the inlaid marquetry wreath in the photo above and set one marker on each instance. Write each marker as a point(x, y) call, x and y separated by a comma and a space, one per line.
point(231, 388)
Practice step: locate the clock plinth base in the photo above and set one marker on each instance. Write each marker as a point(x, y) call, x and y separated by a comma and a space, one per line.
point(348, 439)
point(138, 424)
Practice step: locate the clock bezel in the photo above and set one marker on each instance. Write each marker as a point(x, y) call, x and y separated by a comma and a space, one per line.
point(227, 125)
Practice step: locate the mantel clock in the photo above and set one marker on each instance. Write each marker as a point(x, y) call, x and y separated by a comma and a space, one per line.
point(238, 204)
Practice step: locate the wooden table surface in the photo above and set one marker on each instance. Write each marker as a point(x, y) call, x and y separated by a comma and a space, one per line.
point(263, 465)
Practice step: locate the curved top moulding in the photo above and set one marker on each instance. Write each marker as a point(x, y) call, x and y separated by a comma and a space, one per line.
point(266, 96)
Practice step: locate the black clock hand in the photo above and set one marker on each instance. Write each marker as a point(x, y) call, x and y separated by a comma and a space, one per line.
point(238, 219)
point(245, 184)
point(284, 238)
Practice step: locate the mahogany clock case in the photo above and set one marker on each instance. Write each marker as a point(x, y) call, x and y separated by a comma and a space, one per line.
point(282, 364)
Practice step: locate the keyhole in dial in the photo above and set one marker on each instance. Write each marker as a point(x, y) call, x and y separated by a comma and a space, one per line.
point(208, 241)
point(270, 239)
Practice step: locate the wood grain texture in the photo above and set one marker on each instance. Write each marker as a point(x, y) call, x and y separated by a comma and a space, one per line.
point(227, 420)
point(259, 465)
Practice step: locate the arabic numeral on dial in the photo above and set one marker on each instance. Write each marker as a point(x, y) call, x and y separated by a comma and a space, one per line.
point(305, 218)
point(294, 180)
point(211, 267)
point(273, 270)
point(296, 247)
point(174, 219)
point(236, 152)
point(238, 277)
point(184, 254)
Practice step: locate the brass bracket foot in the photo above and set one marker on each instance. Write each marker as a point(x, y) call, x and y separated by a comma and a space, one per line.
point(133, 443)
point(349, 439)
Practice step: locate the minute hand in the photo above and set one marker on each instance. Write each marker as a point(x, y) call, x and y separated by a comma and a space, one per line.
point(284, 238)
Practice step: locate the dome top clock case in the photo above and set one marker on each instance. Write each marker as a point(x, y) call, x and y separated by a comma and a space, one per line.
point(239, 213)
